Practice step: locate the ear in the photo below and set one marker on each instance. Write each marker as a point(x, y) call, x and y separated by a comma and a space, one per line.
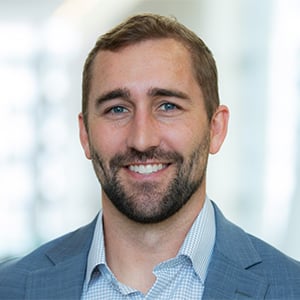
point(218, 128)
point(84, 138)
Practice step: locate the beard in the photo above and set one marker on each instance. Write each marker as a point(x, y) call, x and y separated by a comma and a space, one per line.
point(150, 202)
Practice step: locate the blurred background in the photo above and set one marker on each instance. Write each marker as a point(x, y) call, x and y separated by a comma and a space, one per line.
point(48, 188)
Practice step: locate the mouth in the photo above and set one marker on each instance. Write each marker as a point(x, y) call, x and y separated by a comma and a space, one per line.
point(147, 169)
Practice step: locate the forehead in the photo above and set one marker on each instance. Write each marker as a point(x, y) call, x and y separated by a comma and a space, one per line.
point(150, 63)
point(159, 44)
point(146, 53)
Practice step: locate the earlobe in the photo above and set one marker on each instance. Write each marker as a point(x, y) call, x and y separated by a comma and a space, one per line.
point(83, 134)
point(218, 128)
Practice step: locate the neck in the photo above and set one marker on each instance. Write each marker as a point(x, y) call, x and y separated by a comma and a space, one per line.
point(134, 249)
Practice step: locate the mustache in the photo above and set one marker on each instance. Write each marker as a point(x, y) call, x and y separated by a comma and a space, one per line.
point(132, 155)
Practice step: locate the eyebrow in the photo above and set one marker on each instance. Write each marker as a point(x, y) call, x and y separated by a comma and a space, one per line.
point(114, 94)
point(156, 92)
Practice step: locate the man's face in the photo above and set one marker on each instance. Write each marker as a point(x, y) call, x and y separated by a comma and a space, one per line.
point(148, 134)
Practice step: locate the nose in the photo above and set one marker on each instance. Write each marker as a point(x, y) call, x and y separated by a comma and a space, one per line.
point(144, 132)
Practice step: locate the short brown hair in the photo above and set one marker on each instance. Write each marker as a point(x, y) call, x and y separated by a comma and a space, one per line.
point(143, 27)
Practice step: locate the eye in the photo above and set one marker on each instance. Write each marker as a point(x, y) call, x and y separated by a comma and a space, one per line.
point(117, 110)
point(168, 106)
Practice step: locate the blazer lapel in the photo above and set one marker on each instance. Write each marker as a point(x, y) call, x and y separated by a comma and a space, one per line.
point(227, 281)
point(64, 279)
point(229, 274)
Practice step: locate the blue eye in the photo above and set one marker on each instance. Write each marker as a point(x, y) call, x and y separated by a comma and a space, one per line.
point(168, 106)
point(118, 110)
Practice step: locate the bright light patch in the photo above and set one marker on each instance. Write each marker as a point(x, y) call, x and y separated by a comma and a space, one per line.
point(20, 41)
point(282, 120)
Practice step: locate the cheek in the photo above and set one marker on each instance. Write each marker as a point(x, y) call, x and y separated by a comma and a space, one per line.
point(106, 142)
point(191, 139)
point(182, 138)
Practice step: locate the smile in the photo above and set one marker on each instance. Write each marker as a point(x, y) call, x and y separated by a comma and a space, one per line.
point(147, 169)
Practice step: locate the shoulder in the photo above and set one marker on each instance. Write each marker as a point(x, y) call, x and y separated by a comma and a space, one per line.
point(254, 256)
point(280, 271)
point(247, 249)
point(28, 263)
point(276, 262)
point(14, 272)
point(40, 258)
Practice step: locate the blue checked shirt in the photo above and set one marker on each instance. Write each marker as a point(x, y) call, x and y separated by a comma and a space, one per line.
point(181, 277)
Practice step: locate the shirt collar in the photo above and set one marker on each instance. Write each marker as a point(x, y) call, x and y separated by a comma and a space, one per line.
point(198, 244)
point(97, 251)
point(200, 240)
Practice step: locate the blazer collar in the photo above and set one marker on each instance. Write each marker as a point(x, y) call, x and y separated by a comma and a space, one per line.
point(64, 279)
point(229, 275)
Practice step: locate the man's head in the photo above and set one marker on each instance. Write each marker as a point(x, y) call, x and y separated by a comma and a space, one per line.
point(147, 27)
point(147, 126)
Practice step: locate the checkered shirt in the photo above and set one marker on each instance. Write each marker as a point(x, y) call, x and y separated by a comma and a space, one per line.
point(179, 278)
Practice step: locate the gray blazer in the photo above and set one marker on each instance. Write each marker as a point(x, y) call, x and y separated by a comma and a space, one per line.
point(241, 267)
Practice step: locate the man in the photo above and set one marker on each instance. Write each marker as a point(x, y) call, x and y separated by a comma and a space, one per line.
point(150, 117)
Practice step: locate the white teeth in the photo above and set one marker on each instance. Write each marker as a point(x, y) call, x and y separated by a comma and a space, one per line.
point(146, 169)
